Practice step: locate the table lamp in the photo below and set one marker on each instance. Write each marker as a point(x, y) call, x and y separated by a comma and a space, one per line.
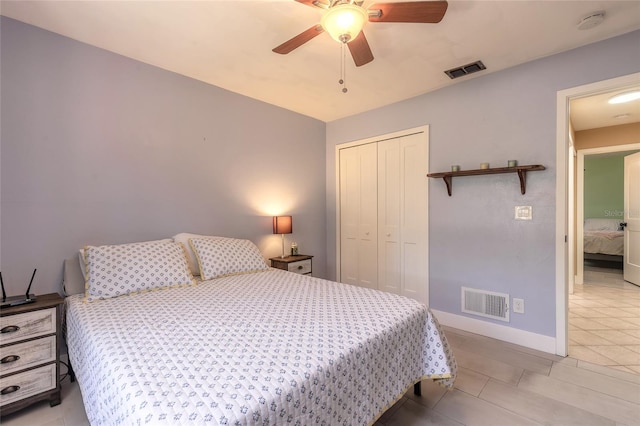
point(282, 225)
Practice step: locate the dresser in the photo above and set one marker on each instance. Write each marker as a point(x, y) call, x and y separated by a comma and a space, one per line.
point(300, 264)
point(30, 353)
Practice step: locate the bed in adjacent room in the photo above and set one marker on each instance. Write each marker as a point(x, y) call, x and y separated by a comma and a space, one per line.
point(240, 344)
point(603, 239)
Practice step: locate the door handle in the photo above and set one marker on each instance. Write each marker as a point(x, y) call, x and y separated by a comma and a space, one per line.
point(623, 224)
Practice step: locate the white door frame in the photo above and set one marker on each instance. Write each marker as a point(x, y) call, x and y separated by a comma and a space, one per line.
point(571, 165)
point(580, 199)
point(562, 192)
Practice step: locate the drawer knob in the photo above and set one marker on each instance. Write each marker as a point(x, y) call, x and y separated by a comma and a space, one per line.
point(9, 358)
point(10, 329)
point(300, 267)
point(10, 389)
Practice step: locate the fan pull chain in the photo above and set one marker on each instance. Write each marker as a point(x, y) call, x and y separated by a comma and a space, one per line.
point(343, 68)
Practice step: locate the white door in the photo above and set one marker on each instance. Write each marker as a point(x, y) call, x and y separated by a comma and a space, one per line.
point(389, 241)
point(349, 206)
point(358, 216)
point(632, 218)
point(402, 216)
point(414, 224)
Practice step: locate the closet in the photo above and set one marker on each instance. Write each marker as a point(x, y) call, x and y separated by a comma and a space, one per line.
point(383, 214)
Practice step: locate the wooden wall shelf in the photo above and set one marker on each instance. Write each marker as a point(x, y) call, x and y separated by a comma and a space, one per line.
point(520, 170)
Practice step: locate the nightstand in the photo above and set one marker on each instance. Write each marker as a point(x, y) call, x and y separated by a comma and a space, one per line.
point(300, 264)
point(30, 353)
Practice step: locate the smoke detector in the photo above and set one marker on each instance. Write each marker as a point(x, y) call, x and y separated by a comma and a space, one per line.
point(591, 20)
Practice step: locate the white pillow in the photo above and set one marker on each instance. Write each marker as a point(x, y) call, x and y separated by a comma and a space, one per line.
point(117, 270)
point(83, 262)
point(183, 238)
point(219, 257)
point(598, 224)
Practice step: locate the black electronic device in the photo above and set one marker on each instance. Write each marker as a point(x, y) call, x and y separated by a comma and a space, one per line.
point(17, 300)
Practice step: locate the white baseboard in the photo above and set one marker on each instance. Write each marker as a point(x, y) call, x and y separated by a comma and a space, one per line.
point(496, 331)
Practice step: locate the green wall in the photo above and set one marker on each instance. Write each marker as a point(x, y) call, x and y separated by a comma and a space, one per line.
point(603, 186)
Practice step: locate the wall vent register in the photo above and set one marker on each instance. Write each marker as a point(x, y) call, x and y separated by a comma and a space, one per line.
point(486, 304)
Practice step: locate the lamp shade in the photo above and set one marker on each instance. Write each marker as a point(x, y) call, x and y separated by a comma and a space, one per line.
point(282, 225)
point(344, 22)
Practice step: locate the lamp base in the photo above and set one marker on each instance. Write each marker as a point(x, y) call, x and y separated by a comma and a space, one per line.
point(283, 256)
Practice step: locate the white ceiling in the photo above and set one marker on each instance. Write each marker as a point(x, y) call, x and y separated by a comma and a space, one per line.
point(228, 44)
point(595, 111)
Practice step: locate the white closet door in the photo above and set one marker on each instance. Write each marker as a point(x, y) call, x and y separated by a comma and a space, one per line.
point(402, 216)
point(358, 215)
point(389, 265)
point(414, 220)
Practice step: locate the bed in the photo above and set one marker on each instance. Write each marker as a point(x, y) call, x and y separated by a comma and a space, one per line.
point(603, 239)
point(238, 343)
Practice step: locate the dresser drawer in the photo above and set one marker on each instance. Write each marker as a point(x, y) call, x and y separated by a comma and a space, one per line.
point(300, 267)
point(27, 325)
point(23, 385)
point(27, 354)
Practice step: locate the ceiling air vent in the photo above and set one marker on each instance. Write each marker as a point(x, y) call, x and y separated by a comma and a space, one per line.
point(465, 69)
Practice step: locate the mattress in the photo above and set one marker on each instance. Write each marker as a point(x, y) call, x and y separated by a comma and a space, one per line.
point(604, 242)
point(264, 348)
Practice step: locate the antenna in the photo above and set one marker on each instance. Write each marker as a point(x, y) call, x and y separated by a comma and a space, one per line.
point(17, 300)
point(4, 295)
point(30, 282)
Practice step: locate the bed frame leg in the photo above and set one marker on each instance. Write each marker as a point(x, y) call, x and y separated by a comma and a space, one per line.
point(417, 389)
point(72, 375)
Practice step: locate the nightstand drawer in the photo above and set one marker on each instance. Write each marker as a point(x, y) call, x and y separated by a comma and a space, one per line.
point(23, 385)
point(27, 325)
point(300, 267)
point(27, 354)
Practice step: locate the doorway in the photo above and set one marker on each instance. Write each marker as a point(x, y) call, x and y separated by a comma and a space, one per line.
point(565, 196)
point(614, 213)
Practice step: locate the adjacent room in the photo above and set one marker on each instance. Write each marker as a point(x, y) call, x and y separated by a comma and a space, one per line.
point(603, 306)
point(245, 212)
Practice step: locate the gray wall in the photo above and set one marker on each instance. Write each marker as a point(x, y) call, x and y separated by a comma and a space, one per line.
point(100, 149)
point(474, 240)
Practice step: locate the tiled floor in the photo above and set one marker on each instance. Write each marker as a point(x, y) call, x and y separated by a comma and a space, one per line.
point(604, 320)
point(498, 384)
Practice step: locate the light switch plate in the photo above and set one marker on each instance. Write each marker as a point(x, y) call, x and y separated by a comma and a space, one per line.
point(524, 212)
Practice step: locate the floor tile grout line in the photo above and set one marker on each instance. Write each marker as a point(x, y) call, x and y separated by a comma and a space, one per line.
point(621, 300)
point(513, 386)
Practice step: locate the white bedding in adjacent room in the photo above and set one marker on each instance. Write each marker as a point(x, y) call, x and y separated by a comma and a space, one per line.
point(603, 236)
point(268, 347)
point(604, 242)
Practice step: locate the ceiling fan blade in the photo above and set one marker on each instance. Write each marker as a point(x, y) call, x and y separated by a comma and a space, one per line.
point(314, 3)
point(360, 50)
point(429, 12)
point(299, 40)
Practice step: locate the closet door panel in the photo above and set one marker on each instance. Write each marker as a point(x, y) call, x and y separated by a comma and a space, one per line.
point(368, 218)
point(349, 212)
point(358, 219)
point(389, 240)
point(413, 210)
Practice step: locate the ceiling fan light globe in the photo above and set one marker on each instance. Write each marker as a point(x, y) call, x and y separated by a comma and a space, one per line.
point(344, 22)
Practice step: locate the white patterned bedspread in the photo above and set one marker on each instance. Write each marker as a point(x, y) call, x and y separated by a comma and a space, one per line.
point(266, 348)
point(604, 242)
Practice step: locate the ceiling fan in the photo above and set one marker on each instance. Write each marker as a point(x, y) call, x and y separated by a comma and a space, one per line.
point(344, 20)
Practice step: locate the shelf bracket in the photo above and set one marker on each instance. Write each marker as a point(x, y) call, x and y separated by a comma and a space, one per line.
point(522, 174)
point(447, 181)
